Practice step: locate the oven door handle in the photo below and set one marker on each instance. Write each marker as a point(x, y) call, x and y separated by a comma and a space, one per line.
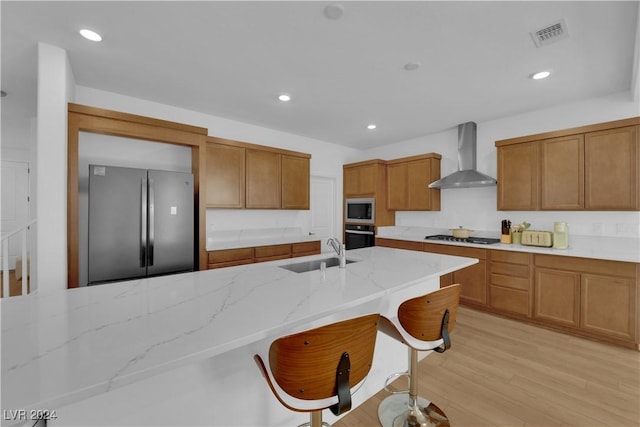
point(369, 233)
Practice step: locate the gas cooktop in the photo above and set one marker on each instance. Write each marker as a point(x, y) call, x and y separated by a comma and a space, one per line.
point(477, 240)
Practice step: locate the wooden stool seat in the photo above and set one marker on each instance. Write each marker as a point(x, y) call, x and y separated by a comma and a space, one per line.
point(317, 369)
point(423, 324)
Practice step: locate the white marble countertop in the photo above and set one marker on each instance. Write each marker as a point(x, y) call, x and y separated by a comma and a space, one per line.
point(598, 247)
point(62, 347)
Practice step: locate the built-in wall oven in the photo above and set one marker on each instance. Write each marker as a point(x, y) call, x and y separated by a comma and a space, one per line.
point(359, 236)
point(360, 211)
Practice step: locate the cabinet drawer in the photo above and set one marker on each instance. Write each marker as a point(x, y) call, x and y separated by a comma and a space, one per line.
point(510, 269)
point(584, 265)
point(229, 263)
point(230, 255)
point(510, 257)
point(510, 281)
point(455, 250)
point(511, 300)
point(399, 244)
point(305, 248)
point(272, 252)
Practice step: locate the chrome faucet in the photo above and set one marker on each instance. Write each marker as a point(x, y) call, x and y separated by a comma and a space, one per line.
point(340, 250)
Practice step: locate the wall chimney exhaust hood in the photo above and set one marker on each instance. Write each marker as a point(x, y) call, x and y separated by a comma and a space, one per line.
point(467, 176)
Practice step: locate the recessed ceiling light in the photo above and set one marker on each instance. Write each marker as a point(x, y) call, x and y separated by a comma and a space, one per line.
point(284, 98)
point(372, 126)
point(540, 75)
point(410, 66)
point(334, 11)
point(90, 35)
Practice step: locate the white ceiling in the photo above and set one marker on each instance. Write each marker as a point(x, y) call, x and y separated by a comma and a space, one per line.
point(232, 59)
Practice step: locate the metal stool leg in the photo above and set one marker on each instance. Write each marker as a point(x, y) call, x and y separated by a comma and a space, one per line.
point(316, 420)
point(402, 410)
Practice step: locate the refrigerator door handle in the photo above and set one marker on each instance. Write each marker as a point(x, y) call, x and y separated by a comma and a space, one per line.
point(151, 220)
point(143, 223)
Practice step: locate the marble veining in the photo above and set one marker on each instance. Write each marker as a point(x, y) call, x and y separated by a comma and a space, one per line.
point(62, 347)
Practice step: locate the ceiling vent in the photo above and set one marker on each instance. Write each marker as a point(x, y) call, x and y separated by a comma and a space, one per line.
point(550, 34)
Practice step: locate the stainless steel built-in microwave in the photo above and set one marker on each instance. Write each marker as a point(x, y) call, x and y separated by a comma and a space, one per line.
point(360, 211)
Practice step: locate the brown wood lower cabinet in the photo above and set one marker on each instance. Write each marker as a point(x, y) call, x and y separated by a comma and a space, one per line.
point(473, 278)
point(305, 248)
point(592, 298)
point(271, 253)
point(557, 297)
point(240, 256)
point(597, 298)
point(510, 278)
point(230, 257)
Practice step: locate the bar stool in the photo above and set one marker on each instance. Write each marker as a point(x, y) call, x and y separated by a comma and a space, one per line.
point(319, 368)
point(422, 323)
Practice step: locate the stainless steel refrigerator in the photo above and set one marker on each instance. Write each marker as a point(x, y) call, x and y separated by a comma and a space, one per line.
point(141, 223)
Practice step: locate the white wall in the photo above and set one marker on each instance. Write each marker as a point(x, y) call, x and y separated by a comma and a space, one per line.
point(327, 158)
point(475, 208)
point(55, 89)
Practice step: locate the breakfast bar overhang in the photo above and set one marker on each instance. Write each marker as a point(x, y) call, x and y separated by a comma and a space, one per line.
point(178, 349)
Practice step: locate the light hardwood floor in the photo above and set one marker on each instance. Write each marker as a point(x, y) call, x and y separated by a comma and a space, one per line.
point(15, 286)
point(500, 372)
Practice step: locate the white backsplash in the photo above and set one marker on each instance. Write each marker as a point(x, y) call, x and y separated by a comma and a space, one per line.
point(475, 208)
point(234, 224)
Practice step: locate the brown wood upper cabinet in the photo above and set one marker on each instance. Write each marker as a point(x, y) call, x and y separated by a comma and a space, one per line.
point(612, 175)
point(518, 177)
point(263, 179)
point(242, 175)
point(295, 182)
point(407, 183)
point(369, 179)
point(594, 167)
point(225, 176)
point(360, 179)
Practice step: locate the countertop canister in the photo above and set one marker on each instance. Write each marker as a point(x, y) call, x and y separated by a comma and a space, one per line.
point(560, 235)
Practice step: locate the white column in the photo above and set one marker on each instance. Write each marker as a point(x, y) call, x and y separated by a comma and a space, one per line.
point(55, 89)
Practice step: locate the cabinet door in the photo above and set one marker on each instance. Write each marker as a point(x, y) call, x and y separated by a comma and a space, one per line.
point(397, 186)
point(360, 180)
point(557, 296)
point(230, 257)
point(474, 282)
point(420, 174)
point(263, 179)
point(225, 176)
point(367, 179)
point(305, 248)
point(518, 176)
point(351, 177)
point(295, 182)
point(562, 173)
point(407, 186)
point(608, 305)
point(611, 169)
point(271, 252)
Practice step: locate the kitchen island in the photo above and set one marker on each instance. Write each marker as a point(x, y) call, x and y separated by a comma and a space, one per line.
point(178, 349)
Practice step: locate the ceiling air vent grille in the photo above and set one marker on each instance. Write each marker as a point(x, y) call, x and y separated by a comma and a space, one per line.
point(550, 34)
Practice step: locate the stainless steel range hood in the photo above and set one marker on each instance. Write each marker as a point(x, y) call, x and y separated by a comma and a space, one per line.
point(467, 176)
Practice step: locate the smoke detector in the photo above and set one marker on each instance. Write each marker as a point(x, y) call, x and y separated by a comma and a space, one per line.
point(550, 34)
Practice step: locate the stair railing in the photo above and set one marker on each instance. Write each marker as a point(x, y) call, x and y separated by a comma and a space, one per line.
point(22, 233)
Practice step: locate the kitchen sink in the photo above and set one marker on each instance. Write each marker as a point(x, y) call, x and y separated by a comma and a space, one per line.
point(303, 267)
